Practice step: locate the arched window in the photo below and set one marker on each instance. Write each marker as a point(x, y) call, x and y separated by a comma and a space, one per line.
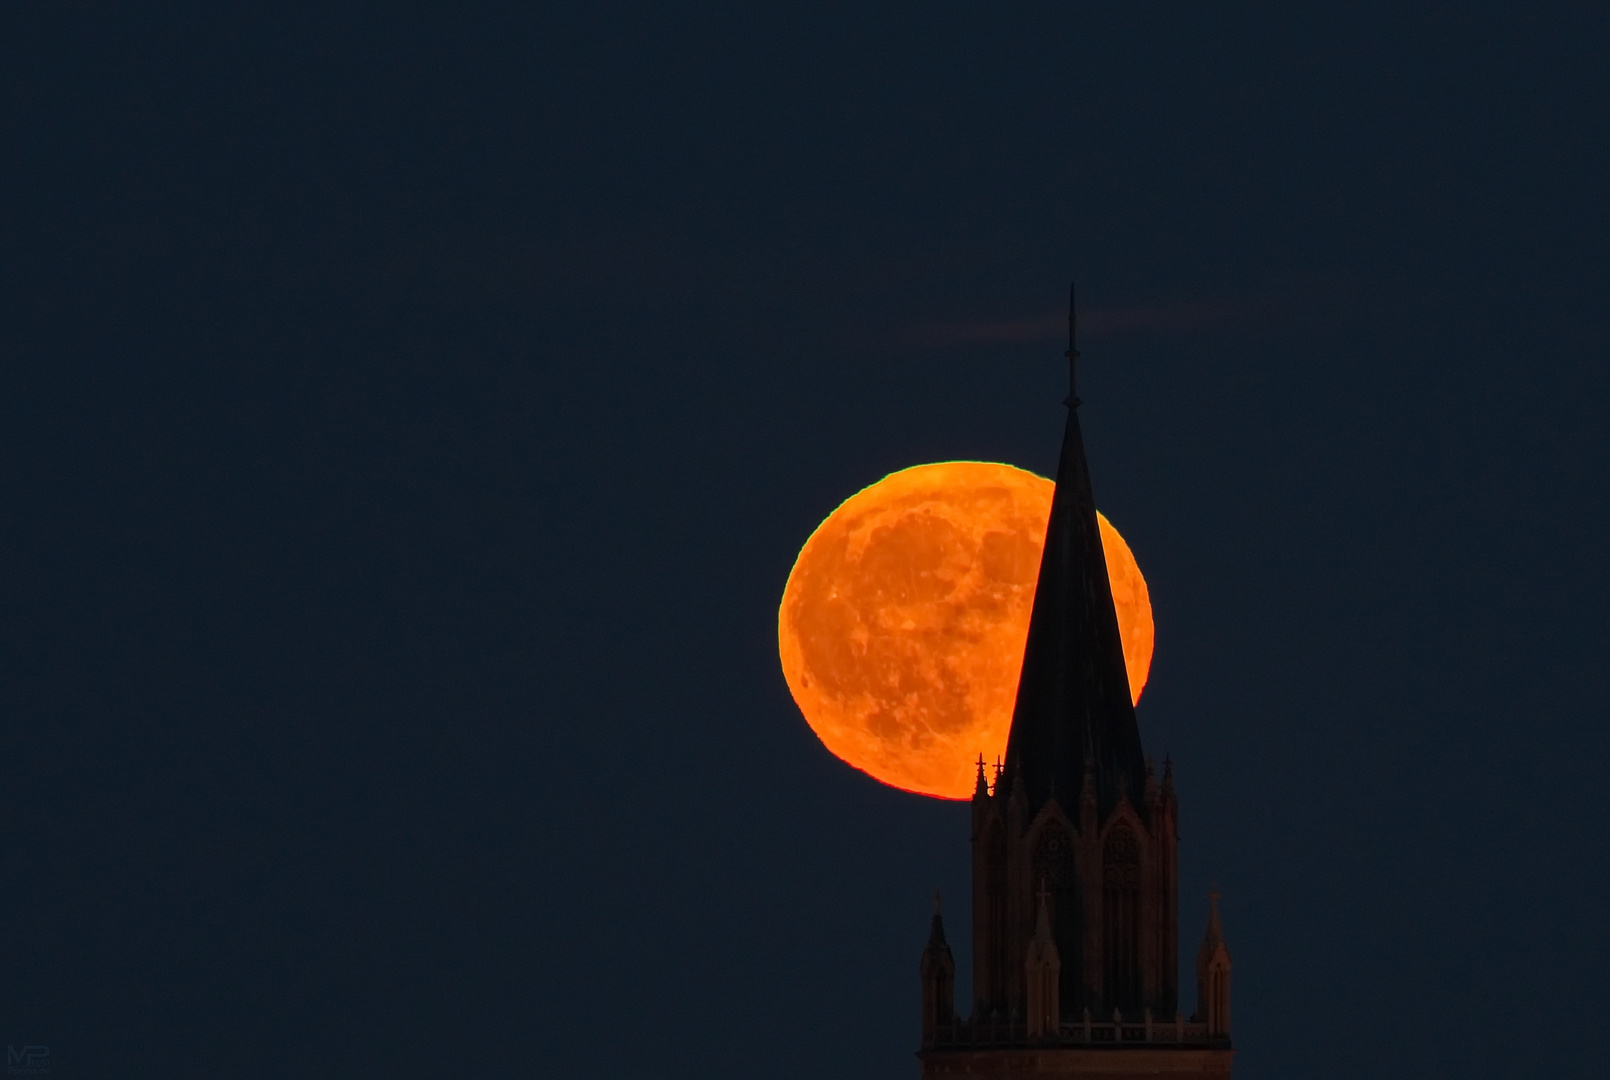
point(1120, 920)
point(997, 973)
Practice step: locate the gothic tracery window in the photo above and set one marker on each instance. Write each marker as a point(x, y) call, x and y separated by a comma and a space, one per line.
point(995, 867)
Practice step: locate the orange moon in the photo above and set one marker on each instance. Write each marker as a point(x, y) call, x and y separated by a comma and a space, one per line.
point(902, 624)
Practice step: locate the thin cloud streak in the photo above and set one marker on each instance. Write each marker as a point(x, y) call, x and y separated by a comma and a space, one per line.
point(1100, 322)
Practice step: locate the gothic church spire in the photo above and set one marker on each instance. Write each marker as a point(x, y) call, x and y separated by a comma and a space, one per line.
point(1073, 704)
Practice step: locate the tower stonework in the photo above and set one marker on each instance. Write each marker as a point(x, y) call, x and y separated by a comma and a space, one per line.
point(1075, 865)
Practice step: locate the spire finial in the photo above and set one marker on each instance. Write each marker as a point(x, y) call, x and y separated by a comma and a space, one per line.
point(1042, 916)
point(936, 932)
point(1073, 350)
point(1213, 914)
point(1215, 935)
point(939, 899)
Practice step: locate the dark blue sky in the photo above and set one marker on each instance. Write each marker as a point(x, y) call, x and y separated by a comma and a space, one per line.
point(408, 420)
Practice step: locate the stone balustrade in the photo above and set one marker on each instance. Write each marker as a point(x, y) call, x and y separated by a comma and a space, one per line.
point(1089, 1032)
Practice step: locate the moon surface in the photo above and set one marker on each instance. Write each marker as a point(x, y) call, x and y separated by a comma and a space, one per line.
point(902, 625)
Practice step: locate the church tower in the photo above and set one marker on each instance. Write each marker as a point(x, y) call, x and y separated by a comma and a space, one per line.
point(1075, 880)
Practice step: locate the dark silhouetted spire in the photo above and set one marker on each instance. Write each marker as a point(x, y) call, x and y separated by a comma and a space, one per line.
point(1073, 700)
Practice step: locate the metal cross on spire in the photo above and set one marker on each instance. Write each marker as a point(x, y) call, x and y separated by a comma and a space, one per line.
point(1073, 351)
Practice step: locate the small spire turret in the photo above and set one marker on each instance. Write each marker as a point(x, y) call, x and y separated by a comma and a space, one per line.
point(1213, 975)
point(1043, 965)
point(938, 970)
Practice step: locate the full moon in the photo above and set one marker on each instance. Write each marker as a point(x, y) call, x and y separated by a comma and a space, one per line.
point(902, 624)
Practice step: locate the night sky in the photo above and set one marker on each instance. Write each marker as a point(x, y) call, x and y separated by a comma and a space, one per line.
point(408, 420)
